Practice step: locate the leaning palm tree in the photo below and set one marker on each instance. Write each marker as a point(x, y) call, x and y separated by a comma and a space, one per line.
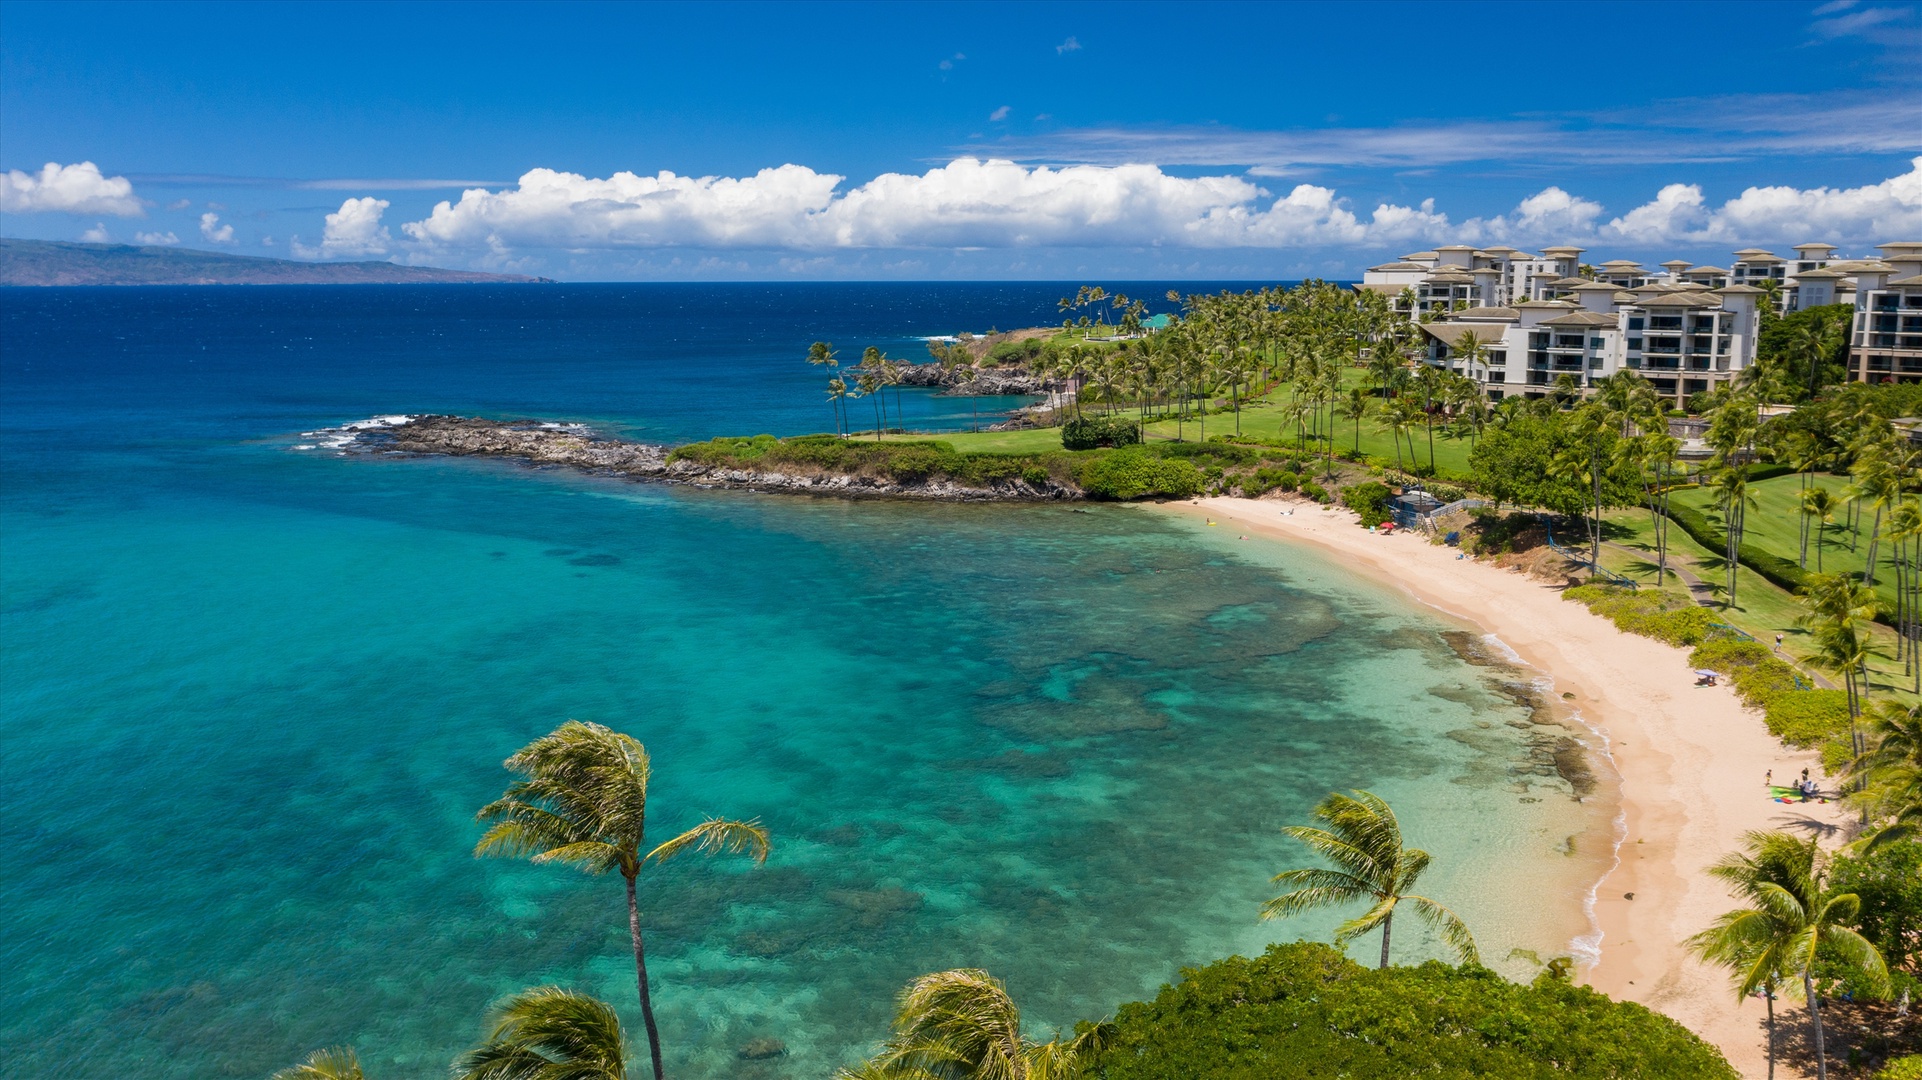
point(1793, 918)
point(547, 1033)
point(1891, 773)
point(1363, 840)
point(582, 802)
point(1818, 511)
point(333, 1063)
point(962, 1025)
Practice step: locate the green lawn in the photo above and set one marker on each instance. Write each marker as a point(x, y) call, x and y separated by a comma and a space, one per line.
point(1773, 525)
point(1261, 418)
point(1762, 609)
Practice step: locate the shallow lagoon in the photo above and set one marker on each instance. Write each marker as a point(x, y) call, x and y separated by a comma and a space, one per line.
point(252, 697)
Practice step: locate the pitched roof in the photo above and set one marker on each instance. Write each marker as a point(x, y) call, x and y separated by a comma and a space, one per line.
point(1562, 304)
point(1626, 264)
point(1451, 334)
point(1738, 290)
point(1449, 276)
point(1705, 270)
point(1570, 250)
point(1913, 279)
point(1400, 266)
point(1680, 263)
point(1569, 282)
point(1487, 314)
point(1679, 300)
point(1818, 274)
point(1581, 318)
point(1420, 255)
point(1811, 247)
point(1757, 257)
point(1456, 247)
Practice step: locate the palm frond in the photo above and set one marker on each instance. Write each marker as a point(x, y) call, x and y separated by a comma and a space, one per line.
point(333, 1063)
point(717, 836)
point(1453, 930)
point(549, 1033)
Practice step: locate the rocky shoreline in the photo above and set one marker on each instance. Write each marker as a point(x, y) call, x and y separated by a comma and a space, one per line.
point(545, 444)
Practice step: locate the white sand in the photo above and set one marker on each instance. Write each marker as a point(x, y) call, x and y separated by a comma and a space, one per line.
point(1690, 761)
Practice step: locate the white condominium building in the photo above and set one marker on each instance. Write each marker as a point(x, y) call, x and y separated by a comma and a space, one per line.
point(1686, 328)
point(1885, 337)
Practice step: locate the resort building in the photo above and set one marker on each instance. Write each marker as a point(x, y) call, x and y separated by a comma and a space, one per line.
point(1532, 325)
point(1885, 336)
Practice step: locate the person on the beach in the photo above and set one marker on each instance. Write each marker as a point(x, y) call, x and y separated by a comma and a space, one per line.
point(1768, 779)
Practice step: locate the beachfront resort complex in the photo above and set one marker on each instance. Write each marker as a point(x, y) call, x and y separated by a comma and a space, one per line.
point(1524, 325)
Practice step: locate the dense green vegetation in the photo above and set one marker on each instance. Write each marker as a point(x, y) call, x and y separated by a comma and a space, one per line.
point(1305, 1012)
point(1094, 432)
point(1661, 615)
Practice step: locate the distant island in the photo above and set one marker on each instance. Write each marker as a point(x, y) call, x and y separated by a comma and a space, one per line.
point(51, 262)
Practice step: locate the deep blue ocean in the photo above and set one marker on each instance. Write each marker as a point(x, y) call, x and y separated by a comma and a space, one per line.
point(251, 696)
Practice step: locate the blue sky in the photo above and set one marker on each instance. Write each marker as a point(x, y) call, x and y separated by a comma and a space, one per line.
point(975, 141)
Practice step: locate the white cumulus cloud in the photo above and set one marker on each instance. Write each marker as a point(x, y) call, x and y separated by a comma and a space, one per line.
point(213, 231)
point(97, 235)
point(973, 203)
point(1679, 212)
point(156, 239)
point(68, 189)
point(354, 230)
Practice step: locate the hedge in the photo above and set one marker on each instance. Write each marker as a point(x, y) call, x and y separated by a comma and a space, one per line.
point(1797, 715)
point(1369, 501)
point(1093, 432)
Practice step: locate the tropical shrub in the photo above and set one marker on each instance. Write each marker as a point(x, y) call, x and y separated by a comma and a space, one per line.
point(1264, 480)
point(1135, 472)
point(1369, 501)
point(1651, 613)
point(1303, 1011)
point(1091, 432)
point(1908, 1067)
point(1312, 490)
point(1888, 880)
point(1808, 717)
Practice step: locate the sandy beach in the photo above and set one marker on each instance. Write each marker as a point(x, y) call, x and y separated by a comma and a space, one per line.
point(1691, 761)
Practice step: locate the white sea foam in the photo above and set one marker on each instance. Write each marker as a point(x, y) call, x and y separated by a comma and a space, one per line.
point(342, 437)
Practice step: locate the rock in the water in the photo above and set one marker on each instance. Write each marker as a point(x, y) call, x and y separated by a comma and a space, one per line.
point(761, 1049)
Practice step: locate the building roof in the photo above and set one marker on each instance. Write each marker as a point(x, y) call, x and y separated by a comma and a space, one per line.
point(1679, 300)
point(1705, 270)
point(1563, 250)
point(1594, 286)
point(1399, 266)
point(1813, 247)
point(1420, 255)
point(1680, 264)
point(1627, 264)
point(1568, 282)
point(1449, 276)
point(1752, 251)
point(1456, 247)
point(1561, 304)
point(1901, 245)
point(1913, 279)
point(1380, 287)
point(1623, 298)
point(1861, 266)
point(1738, 290)
point(1487, 314)
point(1758, 257)
point(1501, 249)
point(1818, 274)
point(1451, 333)
point(1581, 318)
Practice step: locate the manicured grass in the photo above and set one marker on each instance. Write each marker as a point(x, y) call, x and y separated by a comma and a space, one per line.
point(1773, 525)
point(1762, 609)
point(1261, 418)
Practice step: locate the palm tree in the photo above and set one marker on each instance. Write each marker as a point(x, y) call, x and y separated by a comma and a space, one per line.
point(1891, 773)
point(1354, 407)
point(1363, 840)
point(1792, 918)
point(821, 354)
point(1731, 490)
point(333, 1063)
point(1818, 510)
point(962, 1025)
point(547, 1033)
point(583, 803)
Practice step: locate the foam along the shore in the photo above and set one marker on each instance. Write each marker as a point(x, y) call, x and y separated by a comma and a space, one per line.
point(1691, 760)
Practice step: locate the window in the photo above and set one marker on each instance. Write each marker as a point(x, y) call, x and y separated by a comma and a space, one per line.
point(1596, 343)
point(1634, 344)
point(1634, 322)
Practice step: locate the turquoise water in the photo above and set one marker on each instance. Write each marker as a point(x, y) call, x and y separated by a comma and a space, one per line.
point(252, 697)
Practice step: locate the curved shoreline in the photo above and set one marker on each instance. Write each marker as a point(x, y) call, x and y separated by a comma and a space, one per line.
point(1687, 761)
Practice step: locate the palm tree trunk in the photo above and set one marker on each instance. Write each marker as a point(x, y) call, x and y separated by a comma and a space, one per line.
point(640, 972)
point(1815, 1013)
point(1875, 538)
point(1387, 924)
point(1768, 995)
